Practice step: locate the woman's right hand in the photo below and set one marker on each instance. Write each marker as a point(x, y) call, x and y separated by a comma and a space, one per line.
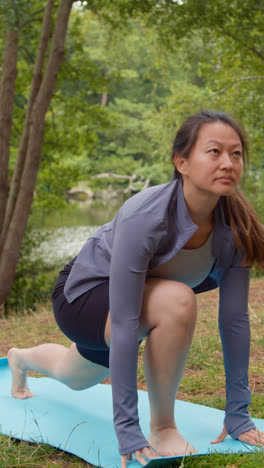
point(148, 452)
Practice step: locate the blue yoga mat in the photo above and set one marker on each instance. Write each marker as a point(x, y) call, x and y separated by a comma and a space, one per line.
point(81, 422)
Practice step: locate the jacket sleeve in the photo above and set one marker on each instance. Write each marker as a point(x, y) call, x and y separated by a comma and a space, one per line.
point(235, 335)
point(134, 245)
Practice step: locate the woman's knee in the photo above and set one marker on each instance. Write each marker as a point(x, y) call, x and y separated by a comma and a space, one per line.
point(168, 303)
point(181, 305)
point(83, 382)
point(77, 372)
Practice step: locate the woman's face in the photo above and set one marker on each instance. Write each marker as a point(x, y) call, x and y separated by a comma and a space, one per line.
point(215, 163)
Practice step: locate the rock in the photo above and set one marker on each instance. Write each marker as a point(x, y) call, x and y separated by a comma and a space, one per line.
point(80, 194)
point(107, 195)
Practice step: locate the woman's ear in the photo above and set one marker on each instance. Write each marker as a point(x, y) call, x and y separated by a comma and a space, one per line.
point(180, 163)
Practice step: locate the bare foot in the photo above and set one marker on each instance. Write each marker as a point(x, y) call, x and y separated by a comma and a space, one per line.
point(168, 442)
point(19, 374)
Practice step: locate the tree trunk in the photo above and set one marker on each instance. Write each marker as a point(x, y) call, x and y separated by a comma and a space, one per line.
point(13, 241)
point(35, 86)
point(7, 94)
point(104, 99)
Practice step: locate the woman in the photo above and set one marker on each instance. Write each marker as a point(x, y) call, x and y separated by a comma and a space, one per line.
point(165, 244)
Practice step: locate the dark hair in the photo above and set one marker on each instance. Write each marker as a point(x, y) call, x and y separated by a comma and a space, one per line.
point(187, 134)
point(247, 230)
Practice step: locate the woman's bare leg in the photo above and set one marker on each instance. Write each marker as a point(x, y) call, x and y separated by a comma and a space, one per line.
point(56, 361)
point(169, 309)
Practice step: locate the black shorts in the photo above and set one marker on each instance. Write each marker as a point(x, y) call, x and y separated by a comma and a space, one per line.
point(83, 320)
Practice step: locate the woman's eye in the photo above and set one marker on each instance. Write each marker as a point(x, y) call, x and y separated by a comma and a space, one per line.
point(237, 154)
point(214, 151)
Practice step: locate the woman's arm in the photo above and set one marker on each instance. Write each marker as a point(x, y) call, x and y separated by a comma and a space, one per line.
point(235, 335)
point(134, 244)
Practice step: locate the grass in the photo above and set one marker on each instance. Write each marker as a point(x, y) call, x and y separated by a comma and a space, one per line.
point(203, 382)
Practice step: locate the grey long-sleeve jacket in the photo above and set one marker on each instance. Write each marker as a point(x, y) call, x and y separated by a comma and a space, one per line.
point(149, 229)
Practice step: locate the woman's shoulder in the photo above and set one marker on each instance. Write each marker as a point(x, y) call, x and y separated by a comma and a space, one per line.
point(153, 200)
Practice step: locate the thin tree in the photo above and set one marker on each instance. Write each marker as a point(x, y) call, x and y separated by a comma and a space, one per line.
point(15, 203)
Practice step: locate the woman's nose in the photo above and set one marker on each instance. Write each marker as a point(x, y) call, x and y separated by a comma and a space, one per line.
point(226, 161)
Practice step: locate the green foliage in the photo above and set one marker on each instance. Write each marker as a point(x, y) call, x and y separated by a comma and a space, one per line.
point(129, 136)
point(221, 42)
point(158, 173)
point(184, 100)
point(33, 282)
point(254, 190)
point(56, 177)
point(150, 87)
point(149, 60)
point(117, 138)
point(113, 163)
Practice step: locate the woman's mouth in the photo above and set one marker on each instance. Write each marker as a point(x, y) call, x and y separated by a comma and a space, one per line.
point(225, 180)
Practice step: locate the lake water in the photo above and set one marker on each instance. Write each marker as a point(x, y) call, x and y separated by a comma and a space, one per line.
point(60, 235)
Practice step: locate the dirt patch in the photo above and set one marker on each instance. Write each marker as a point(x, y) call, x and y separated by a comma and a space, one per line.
point(256, 293)
point(256, 355)
point(4, 347)
point(256, 383)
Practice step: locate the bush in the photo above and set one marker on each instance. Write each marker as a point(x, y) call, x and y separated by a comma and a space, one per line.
point(34, 280)
point(33, 283)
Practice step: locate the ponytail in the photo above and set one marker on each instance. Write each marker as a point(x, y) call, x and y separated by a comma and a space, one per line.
point(247, 230)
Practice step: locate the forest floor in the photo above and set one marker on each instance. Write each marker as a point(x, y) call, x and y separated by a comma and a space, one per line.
point(203, 381)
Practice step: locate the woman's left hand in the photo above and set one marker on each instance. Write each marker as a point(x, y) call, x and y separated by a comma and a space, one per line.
point(252, 437)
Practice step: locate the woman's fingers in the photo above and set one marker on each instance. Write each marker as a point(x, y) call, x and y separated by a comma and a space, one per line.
point(221, 437)
point(148, 452)
point(252, 437)
point(140, 457)
point(124, 459)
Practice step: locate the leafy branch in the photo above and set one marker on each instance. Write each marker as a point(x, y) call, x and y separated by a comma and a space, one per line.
point(243, 78)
